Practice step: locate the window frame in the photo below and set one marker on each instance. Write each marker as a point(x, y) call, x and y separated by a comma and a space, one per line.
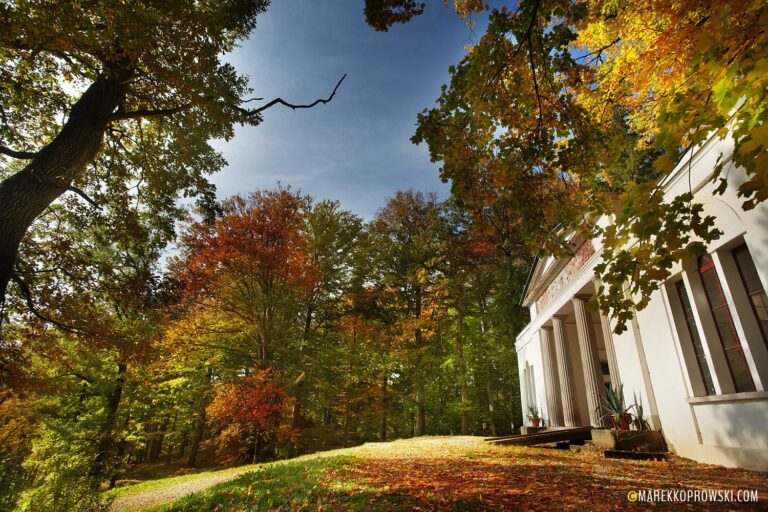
point(702, 269)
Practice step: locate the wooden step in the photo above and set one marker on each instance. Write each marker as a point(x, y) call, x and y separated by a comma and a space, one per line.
point(549, 436)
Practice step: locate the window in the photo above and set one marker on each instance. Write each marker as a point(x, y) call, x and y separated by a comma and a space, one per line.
point(530, 385)
point(693, 333)
point(753, 286)
point(726, 331)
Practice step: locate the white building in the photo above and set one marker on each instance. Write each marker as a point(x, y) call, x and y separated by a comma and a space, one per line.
point(697, 355)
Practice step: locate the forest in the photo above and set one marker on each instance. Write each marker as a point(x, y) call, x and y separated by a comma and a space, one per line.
point(284, 325)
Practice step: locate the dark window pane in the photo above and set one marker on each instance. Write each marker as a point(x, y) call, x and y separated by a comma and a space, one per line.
point(712, 287)
point(747, 268)
point(760, 302)
point(705, 375)
point(741, 376)
point(725, 328)
point(693, 333)
point(726, 331)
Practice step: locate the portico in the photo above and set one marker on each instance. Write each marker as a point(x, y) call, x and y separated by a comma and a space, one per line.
point(568, 335)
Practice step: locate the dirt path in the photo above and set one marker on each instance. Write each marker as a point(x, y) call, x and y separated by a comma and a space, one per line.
point(151, 497)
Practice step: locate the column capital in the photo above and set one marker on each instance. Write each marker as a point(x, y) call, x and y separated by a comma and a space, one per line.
point(559, 317)
point(582, 297)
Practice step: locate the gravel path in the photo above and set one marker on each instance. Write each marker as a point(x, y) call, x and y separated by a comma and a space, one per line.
point(142, 500)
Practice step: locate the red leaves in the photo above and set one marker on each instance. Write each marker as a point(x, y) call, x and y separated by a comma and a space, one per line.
point(256, 402)
point(259, 237)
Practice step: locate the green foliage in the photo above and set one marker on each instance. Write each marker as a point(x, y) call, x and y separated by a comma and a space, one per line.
point(639, 421)
point(615, 402)
point(11, 479)
point(62, 460)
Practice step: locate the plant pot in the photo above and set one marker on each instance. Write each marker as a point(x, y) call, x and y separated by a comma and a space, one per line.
point(620, 421)
point(536, 422)
point(628, 440)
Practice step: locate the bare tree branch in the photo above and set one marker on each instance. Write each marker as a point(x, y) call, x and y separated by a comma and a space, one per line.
point(21, 155)
point(82, 194)
point(291, 105)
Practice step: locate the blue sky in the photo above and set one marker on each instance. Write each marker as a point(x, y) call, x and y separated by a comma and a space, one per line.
point(355, 149)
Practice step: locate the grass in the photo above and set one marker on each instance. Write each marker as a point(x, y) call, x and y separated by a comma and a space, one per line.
point(161, 483)
point(450, 473)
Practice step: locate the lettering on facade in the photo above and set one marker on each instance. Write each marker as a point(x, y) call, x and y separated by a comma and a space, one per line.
point(586, 251)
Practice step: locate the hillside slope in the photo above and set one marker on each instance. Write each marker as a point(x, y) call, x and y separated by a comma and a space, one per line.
point(438, 473)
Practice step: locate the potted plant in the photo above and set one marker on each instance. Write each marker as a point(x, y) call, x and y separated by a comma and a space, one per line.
point(533, 415)
point(628, 432)
point(616, 410)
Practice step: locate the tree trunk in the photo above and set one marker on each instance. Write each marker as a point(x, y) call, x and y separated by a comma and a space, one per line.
point(384, 405)
point(184, 439)
point(461, 366)
point(256, 449)
point(420, 410)
point(106, 439)
point(347, 418)
point(169, 455)
point(491, 404)
point(26, 194)
point(348, 385)
point(200, 427)
point(157, 449)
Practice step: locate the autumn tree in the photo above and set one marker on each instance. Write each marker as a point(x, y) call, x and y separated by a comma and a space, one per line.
point(330, 242)
point(102, 98)
point(250, 264)
point(409, 233)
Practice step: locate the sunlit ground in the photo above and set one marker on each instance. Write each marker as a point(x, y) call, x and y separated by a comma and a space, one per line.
point(464, 473)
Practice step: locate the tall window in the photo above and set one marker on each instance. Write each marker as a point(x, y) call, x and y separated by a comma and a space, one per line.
point(753, 286)
point(693, 333)
point(530, 385)
point(729, 339)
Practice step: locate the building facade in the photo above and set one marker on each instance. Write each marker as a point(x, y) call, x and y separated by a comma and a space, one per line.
point(696, 357)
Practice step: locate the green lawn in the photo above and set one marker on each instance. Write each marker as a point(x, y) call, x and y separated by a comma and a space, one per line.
point(454, 473)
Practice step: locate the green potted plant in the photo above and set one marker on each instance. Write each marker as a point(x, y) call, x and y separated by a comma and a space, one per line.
point(616, 410)
point(533, 415)
point(629, 431)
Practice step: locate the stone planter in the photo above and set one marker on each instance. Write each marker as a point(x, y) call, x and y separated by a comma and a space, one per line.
point(628, 440)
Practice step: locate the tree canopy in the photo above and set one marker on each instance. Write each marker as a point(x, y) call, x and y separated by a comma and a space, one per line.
point(562, 110)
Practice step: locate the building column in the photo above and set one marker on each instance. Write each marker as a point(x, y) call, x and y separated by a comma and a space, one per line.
point(570, 413)
point(551, 382)
point(610, 350)
point(590, 360)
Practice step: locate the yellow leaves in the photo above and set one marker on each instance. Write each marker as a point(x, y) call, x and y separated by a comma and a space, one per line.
point(465, 8)
point(757, 139)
